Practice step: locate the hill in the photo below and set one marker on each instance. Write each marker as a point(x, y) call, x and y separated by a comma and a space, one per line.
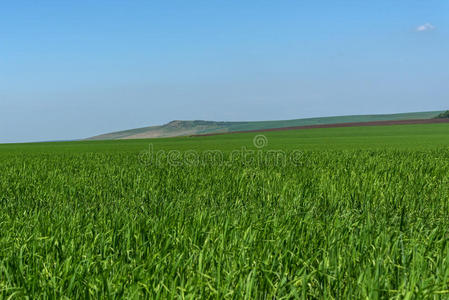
point(185, 128)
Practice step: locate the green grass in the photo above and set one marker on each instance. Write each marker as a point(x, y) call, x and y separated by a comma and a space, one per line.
point(363, 213)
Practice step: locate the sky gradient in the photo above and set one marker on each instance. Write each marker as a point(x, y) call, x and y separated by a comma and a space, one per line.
point(74, 69)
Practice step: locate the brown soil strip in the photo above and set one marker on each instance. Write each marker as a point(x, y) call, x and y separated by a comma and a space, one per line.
point(353, 124)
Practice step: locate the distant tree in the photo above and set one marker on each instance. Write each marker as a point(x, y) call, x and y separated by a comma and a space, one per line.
point(444, 115)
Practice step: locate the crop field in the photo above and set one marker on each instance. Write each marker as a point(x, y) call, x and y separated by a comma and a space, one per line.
point(338, 213)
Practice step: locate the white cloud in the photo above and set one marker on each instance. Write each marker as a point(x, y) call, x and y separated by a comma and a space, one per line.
point(425, 27)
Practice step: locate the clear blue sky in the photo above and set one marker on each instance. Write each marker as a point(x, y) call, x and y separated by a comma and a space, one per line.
point(74, 69)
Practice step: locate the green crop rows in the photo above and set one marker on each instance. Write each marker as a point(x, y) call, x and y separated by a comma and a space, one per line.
point(343, 222)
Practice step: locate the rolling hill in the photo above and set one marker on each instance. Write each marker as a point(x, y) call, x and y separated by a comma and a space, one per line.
point(186, 128)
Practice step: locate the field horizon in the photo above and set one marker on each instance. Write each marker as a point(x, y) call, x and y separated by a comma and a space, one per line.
point(357, 137)
point(202, 127)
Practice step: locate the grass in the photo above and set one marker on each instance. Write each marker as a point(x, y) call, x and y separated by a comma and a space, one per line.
point(363, 213)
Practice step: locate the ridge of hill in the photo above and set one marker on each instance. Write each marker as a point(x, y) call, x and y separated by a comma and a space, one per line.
point(199, 127)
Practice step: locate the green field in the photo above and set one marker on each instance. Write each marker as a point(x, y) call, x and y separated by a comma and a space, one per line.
point(350, 213)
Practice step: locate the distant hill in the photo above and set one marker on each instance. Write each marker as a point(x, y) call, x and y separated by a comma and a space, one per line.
point(184, 128)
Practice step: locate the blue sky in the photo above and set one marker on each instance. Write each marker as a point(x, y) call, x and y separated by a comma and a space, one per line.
point(74, 69)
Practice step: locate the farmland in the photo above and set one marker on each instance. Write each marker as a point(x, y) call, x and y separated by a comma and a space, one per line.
point(360, 212)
